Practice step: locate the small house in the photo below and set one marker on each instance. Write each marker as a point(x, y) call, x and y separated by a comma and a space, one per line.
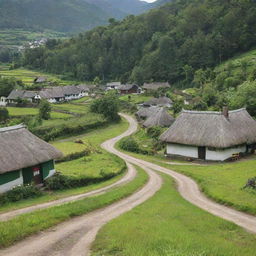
point(210, 135)
point(155, 86)
point(16, 95)
point(40, 80)
point(84, 90)
point(71, 92)
point(144, 113)
point(53, 95)
point(24, 158)
point(129, 89)
point(3, 101)
point(113, 86)
point(159, 118)
point(160, 102)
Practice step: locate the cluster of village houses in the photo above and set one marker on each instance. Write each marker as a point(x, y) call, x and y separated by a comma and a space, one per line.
point(205, 135)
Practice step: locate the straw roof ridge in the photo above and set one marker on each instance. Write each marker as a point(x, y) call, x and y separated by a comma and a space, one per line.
point(212, 129)
point(20, 149)
point(160, 118)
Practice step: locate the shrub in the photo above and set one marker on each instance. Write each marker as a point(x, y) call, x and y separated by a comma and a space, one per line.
point(154, 132)
point(4, 115)
point(129, 144)
point(20, 192)
point(251, 183)
point(74, 156)
point(45, 110)
point(59, 181)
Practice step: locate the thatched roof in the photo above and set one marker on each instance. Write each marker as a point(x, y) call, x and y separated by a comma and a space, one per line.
point(212, 129)
point(127, 87)
point(54, 92)
point(113, 84)
point(22, 94)
point(160, 118)
point(20, 148)
point(155, 86)
point(40, 79)
point(161, 102)
point(70, 90)
point(83, 87)
point(147, 112)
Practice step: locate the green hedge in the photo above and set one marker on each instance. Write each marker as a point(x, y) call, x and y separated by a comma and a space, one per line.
point(51, 133)
point(60, 181)
point(20, 192)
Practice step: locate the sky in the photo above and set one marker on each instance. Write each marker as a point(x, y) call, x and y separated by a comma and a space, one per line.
point(149, 1)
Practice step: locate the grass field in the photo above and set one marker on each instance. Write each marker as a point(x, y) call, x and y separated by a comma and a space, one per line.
point(27, 76)
point(15, 111)
point(99, 160)
point(167, 225)
point(74, 108)
point(31, 223)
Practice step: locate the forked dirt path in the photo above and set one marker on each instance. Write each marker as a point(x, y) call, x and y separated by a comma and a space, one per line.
point(190, 191)
point(74, 237)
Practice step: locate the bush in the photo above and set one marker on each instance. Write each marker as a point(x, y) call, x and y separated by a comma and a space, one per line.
point(59, 181)
point(74, 156)
point(4, 115)
point(251, 183)
point(20, 192)
point(129, 144)
point(154, 132)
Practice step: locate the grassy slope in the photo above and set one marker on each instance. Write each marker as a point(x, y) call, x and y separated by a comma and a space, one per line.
point(96, 162)
point(167, 225)
point(249, 57)
point(28, 224)
point(135, 99)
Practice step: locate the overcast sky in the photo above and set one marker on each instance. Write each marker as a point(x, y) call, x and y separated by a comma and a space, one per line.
point(150, 1)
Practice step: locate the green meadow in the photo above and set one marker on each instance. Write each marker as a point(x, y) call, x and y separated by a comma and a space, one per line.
point(167, 225)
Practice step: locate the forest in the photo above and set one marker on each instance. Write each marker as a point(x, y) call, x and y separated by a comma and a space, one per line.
point(166, 44)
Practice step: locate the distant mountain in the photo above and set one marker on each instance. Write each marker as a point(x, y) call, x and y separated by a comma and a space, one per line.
point(65, 15)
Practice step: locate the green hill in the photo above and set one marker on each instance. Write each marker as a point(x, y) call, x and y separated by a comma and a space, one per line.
point(169, 43)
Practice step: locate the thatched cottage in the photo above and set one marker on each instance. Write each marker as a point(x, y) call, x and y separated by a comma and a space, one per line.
point(128, 89)
point(144, 113)
point(159, 118)
point(211, 135)
point(24, 158)
point(155, 86)
point(160, 102)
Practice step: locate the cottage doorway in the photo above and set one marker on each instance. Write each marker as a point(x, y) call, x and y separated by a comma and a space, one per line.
point(37, 176)
point(202, 153)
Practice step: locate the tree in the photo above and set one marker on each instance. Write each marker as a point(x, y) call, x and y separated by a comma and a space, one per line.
point(4, 115)
point(108, 105)
point(45, 110)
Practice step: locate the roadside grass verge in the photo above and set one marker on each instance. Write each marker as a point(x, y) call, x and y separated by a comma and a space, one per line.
point(222, 182)
point(167, 225)
point(31, 223)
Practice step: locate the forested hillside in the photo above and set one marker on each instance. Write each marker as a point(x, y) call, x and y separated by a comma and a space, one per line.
point(169, 43)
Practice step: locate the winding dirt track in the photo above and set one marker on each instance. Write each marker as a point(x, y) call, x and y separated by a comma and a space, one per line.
point(74, 237)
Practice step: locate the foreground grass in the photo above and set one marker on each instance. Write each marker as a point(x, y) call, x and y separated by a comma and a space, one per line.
point(28, 224)
point(167, 225)
point(223, 182)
